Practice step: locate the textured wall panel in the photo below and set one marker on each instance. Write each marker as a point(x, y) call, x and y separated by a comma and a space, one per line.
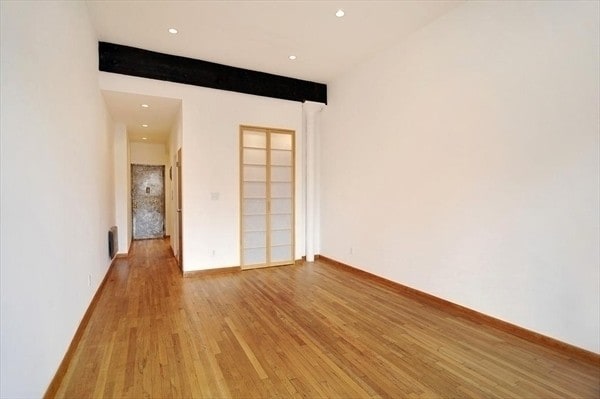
point(148, 201)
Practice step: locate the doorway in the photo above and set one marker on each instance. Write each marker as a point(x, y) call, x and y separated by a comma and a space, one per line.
point(179, 212)
point(148, 201)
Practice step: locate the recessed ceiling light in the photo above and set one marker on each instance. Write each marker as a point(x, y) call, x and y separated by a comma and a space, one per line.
point(144, 138)
point(173, 31)
point(145, 105)
point(339, 13)
point(144, 125)
point(292, 57)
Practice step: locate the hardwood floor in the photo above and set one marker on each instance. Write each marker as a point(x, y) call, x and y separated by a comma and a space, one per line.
point(311, 330)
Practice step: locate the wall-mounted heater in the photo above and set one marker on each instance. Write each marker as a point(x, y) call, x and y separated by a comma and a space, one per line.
point(113, 242)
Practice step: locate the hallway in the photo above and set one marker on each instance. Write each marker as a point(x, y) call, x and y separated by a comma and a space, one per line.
point(312, 330)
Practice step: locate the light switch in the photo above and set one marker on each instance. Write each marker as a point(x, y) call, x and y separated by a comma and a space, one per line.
point(214, 196)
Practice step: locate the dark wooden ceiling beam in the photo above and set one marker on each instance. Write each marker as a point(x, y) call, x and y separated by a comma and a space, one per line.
point(133, 61)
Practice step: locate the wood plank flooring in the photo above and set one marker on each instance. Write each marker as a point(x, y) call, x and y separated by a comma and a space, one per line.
point(304, 331)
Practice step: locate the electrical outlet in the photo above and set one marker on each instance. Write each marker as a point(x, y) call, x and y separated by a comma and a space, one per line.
point(351, 250)
point(89, 280)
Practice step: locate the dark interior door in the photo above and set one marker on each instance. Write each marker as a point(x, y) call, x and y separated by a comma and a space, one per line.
point(148, 201)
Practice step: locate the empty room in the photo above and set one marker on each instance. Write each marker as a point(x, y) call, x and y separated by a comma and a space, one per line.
point(317, 199)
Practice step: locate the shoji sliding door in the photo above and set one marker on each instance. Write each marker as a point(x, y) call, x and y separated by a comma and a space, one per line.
point(267, 196)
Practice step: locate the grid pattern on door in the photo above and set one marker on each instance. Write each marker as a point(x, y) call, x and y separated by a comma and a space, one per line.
point(267, 196)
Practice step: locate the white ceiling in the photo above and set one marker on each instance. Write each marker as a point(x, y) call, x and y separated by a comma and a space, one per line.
point(261, 35)
point(159, 116)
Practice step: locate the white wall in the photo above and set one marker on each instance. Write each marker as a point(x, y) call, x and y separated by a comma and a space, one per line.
point(464, 163)
point(155, 154)
point(210, 139)
point(56, 187)
point(148, 153)
point(122, 192)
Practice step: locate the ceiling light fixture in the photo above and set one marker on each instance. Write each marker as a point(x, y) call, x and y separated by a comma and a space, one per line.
point(340, 13)
point(144, 138)
point(144, 125)
point(145, 105)
point(292, 57)
point(173, 31)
